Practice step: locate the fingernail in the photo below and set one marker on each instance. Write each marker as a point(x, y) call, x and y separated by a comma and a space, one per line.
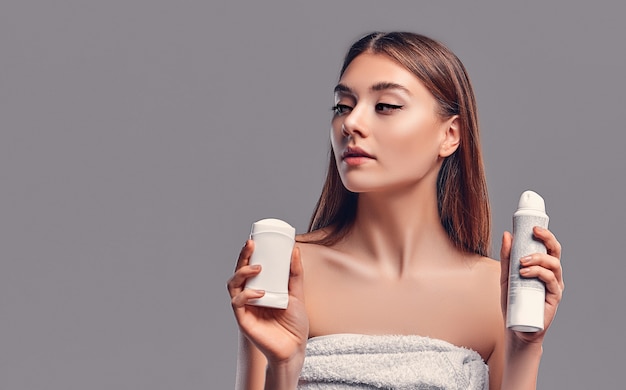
point(525, 259)
point(524, 271)
point(256, 267)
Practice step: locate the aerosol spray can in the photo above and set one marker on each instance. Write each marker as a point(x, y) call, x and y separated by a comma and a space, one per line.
point(273, 243)
point(526, 296)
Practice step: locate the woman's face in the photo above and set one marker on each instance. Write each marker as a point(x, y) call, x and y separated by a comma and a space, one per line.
point(386, 133)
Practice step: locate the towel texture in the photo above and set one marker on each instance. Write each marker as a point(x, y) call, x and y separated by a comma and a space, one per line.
point(352, 361)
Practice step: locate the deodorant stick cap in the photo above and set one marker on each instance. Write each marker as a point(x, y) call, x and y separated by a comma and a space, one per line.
point(273, 225)
point(530, 200)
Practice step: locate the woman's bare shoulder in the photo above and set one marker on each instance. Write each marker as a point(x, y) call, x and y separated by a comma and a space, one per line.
point(310, 237)
point(490, 265)
point(319, 258)
point(488, 270)
point(310, 246)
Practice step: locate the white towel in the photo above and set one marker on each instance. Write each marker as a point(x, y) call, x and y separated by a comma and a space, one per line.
point(353, 361)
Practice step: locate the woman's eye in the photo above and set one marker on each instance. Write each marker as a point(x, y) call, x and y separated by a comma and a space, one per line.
point(386, 107)
point(340, 109)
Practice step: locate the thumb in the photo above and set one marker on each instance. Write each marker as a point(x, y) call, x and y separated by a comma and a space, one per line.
point(296, 276)
point(505, 259)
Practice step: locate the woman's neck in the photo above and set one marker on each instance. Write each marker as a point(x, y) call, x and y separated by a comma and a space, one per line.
point(401, 231)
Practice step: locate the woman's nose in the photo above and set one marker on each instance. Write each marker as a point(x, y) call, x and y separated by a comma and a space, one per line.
point(355, 123)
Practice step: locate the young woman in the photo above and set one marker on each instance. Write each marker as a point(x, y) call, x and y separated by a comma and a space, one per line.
point(394, 272)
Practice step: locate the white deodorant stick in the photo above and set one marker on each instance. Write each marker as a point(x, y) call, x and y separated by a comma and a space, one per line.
point(527, 296)
point(273, 243)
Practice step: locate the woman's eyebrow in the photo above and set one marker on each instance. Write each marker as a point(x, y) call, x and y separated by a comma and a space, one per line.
point(384, 85)
point(342, 88)
point(381, 86)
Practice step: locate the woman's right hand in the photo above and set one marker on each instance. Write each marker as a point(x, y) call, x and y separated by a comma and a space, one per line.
point(280, 334)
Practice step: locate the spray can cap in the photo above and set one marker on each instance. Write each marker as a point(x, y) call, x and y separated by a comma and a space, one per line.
point(530, 200)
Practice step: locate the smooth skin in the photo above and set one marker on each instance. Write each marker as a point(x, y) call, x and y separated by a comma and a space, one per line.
point(397, 271)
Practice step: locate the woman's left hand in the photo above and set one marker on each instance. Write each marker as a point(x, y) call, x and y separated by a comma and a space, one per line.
point(546, 267)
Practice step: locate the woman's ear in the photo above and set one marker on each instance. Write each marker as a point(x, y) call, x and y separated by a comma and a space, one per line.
point(452, 137)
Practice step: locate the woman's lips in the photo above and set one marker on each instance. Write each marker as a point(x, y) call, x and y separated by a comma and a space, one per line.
point(354, 155)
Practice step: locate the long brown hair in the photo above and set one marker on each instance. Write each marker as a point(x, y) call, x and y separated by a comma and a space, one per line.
point(462, 198)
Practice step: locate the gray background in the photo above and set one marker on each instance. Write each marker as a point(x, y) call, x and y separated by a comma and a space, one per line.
point(139, 139)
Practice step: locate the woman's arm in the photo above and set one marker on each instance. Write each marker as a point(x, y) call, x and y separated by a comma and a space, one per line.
point(496, 363)
point(253, 372)
point(251, 366)
point(521, 364)
point(522, 351)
